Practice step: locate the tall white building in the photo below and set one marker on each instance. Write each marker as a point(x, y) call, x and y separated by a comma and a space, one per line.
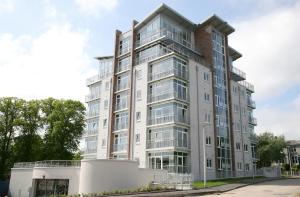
point(169, 80)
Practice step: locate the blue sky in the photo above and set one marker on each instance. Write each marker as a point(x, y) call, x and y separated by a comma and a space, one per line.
point(47, 47)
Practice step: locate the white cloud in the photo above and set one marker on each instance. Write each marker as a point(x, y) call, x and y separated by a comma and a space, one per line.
point(7, 5)
point(270, 47)
point(281, 120)
point(94, 7)
point(53, 64)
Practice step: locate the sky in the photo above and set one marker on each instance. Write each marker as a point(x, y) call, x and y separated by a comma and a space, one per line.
point(47, 47)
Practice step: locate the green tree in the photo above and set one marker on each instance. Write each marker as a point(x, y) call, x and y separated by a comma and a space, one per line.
point(63, 124)
point(28, 144)
point(9, 115)
point(270, 148)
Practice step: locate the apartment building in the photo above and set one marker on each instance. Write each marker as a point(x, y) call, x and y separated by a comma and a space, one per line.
point(170, 98)
point(292, 152)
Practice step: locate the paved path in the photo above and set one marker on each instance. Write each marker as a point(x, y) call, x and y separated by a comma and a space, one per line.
point(280, 188)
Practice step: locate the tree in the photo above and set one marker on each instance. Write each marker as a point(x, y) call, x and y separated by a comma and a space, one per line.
point(28, 144)
point(9, 115)
point(270, 148)
point(63, 123)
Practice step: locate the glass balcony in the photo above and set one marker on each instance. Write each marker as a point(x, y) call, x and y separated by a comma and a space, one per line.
point(167, 95)
point(91, 97)
point(151, 144)
point(121, 105)
point(168, 73)
point(252, 121)
point(90, 132)
point(251, 104)
point(122, 86)
point(120, 147)
point(97, 78)
point(247, 85)
point(237, 74)
point(121, 126)
point(167, 119)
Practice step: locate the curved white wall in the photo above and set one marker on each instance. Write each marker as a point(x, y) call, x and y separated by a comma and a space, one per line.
point(108, 175)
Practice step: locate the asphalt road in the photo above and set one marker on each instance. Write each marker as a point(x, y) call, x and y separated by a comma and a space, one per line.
point(279, 188)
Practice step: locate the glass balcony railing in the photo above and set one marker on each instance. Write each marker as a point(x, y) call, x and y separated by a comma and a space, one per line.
point(165, 33)
point(122, 86)
point(90, 151)
point(97, 78)
point(92, 114)
point(237, 74)
point(247, 85)
point(167, 95)
point(251, 104)
point(168, 119)
point(121, 105)
point(252, 121)
point(91, 97)
point(120, 147)
point(151, 144)
point(89, 132)
point(121, 126)
point(167, 73)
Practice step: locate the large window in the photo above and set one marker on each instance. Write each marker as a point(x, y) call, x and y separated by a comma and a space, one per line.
point(120, 142)
point(123, 64)
point(125, 43)
point(51, 187)
point(91, 145)
point(122, 101)
point(122, 82)
point(93, 108)
point(92, 126)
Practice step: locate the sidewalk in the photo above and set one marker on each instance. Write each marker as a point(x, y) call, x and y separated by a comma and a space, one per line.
point(211, 190)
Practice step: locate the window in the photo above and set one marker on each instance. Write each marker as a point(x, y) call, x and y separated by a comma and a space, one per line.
point(106, 104)
point(239, 166)
point(138, 74)
point(236, 108)
point(107, 85)
point(245, 147)
point(208, 163)
point(208, 140)
point(205, 76)
point(139, 95)
point(137, 138)
point(206, 97)
point(247, 167)
point(138, 116)
point(105, 123)
point(238, 146)
point(207, 117)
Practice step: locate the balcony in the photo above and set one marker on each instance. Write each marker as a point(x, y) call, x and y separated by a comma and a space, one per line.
point(92, 97)
point(251, 104)
point(122, 86)
point(167, 95)
point(121, 126)
point(121, 106)
point(164, 33)
point(48, 163)
point(97, 78)
point(90, 151)
point(120, 147)
point(247, 85)
point(90, 132)
point(168, 119)
point(168, 73)
point(237, 74)
point(253, 121)
point(151, 144)
point(253, 138)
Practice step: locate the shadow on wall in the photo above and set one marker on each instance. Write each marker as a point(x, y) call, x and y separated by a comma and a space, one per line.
point(4, 188)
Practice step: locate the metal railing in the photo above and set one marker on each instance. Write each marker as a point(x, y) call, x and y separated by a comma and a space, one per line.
point(252, 120)
point(251, 103)
point(49, 163)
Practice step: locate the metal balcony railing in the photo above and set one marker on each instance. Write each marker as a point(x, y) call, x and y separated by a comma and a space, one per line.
point(49, 163)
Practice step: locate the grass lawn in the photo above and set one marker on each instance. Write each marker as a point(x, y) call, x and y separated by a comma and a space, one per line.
point(213, 183)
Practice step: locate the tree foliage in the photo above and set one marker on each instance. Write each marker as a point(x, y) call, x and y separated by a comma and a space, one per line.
point(270, 148)
point(48, 129)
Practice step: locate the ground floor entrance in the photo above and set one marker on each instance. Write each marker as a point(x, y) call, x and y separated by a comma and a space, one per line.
point(49, 187)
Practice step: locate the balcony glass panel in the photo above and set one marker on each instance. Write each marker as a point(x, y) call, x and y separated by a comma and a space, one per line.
point(120, 142)
point(167, 89)
point(90, 145)
point(168, 67)
point(121, 121)
point(170, 112)
point(123, 64)
point(167, 137)
point(92, 126)
point(122, 82)
point(93, 108)
point(124, 44)
point(122, 101)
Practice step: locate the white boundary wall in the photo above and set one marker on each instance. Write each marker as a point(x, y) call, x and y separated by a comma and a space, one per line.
point(93, 176)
